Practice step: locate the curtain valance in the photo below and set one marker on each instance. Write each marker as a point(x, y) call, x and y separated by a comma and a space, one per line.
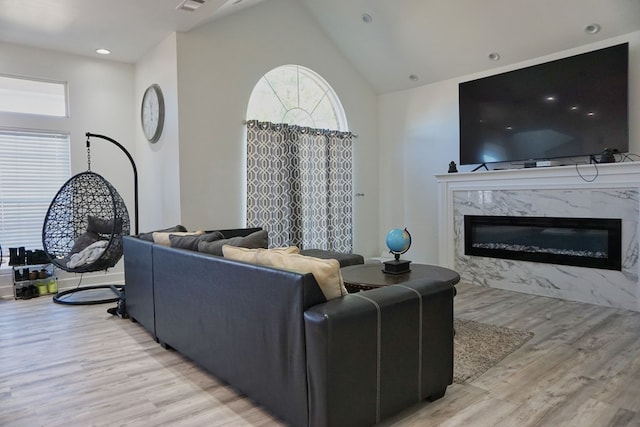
point(300, 129)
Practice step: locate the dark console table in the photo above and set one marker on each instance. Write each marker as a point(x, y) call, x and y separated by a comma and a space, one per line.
point(369, 276)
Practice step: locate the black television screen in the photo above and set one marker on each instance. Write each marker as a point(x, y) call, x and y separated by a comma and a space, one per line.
point(576, 106)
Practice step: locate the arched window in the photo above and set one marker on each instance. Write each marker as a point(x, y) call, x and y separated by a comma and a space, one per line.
point(299, 161)
point(296, 95)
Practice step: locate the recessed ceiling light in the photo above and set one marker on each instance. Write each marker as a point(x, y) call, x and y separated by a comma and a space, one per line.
point(414, 78)
point(103, 51)
point(366, 18)
point(494, 56)
point(190, 5)
point(592, 29)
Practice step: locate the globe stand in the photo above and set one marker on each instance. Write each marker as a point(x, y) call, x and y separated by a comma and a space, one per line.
point(397, 266)
point(398, 241)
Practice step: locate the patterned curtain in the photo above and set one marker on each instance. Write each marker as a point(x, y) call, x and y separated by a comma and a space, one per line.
point(299, 185)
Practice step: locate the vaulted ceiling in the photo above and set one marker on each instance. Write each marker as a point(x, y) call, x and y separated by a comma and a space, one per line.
point(394, 44)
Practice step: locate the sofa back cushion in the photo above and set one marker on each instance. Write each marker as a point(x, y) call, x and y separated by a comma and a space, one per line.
point(162, 238)
point(258, 239)
point(191, 242)
point(149, 236)
point(325, 271)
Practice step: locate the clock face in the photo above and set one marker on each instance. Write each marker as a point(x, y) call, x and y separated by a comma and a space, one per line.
point(152, 113)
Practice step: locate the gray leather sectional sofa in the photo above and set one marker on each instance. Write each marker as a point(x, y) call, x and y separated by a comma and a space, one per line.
point(271, 334)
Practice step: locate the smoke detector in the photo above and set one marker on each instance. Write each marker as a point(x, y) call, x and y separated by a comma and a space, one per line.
point(592, 29)
point(190, 5)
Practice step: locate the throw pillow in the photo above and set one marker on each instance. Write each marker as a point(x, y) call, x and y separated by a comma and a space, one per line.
point(191, 242)
point(149, 236)
point(250, 255)
point(259, 239)
point(163, 238)
point(325, 271)
point(103, 226)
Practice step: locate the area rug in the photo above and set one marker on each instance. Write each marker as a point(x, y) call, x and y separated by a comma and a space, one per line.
point(479, 346)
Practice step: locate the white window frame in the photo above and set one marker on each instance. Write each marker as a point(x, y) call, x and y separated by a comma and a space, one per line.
point(28, 95)
point(280, 97)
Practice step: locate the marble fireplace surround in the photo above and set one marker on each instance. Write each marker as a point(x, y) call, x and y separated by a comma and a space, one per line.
point(553, 192)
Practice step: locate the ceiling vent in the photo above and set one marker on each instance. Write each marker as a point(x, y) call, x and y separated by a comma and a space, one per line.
point(190, 5)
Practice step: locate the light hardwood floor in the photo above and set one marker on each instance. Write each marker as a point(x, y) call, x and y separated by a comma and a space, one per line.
point(79, 366)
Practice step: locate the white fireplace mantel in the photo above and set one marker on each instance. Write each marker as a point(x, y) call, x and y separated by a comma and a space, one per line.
point(594, 191)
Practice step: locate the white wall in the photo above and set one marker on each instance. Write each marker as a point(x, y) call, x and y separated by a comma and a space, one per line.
point(194, 174)
point(158, 164)
point(101, 102)
point(100, 99)
point(419, 136)
point(218, 66)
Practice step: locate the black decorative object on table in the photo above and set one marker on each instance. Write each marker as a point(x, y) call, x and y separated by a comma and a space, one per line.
point(452, 167)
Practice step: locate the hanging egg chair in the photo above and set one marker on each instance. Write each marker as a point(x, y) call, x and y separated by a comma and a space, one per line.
point(84, 225)
point(83, 228)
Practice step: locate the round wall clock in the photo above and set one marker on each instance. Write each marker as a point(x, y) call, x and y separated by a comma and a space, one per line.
point(152, 113)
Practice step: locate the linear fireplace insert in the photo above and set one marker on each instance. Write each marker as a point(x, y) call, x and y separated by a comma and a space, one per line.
point(583, 242)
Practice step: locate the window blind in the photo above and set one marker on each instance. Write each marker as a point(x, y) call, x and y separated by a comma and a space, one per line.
point(33, 167)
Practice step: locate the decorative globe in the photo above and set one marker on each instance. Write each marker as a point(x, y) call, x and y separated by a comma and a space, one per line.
point(398, 241)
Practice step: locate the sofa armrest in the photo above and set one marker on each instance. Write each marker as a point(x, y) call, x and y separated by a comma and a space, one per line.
point(374, 353)
point(138, 276)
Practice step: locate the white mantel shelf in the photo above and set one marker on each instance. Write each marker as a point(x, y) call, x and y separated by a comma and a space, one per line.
point(551, 191)
point(547, 177)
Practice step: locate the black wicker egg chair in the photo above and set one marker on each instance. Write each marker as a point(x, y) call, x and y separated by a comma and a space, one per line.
point(83, 229)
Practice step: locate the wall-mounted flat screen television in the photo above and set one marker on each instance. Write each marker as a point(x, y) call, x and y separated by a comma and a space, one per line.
point(576, 106)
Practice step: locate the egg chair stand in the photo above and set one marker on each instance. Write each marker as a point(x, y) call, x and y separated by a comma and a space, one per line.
point(83, 229)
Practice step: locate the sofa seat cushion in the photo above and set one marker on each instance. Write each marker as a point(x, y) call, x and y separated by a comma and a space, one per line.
point(325, 271)
point(256, 240)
